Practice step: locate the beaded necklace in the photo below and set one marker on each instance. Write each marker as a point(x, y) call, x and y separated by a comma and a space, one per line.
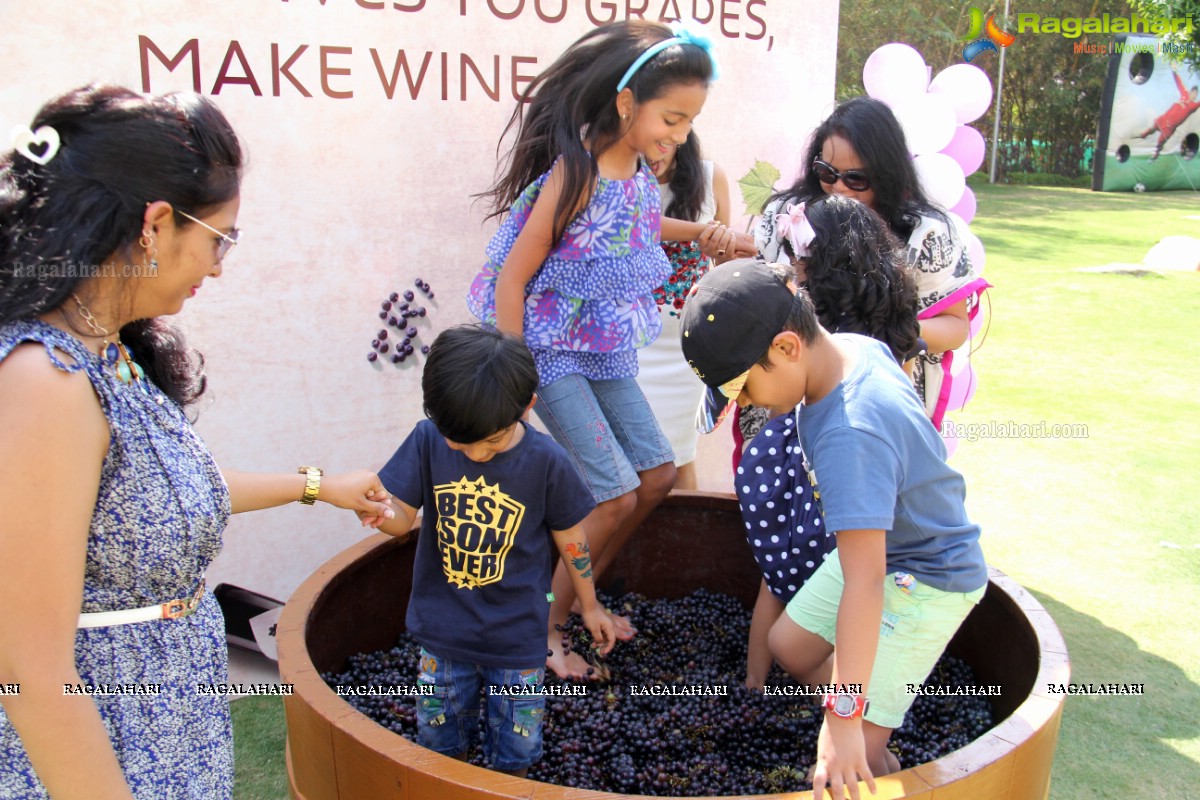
point(113, 352)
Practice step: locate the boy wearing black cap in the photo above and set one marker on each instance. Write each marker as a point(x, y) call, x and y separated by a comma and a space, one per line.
point(908, 568)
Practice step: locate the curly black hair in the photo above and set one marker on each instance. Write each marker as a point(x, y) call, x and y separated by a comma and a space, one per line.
point(857, 276)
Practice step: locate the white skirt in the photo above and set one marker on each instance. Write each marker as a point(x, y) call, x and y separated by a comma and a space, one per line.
point(672, 388)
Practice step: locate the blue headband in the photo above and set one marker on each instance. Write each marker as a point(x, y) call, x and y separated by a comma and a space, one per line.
point(682, 35)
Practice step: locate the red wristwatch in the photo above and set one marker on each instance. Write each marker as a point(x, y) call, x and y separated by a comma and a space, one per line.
point(845, 705)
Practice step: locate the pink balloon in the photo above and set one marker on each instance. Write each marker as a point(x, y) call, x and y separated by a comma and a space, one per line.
point(895, 71)
point(976, 325)
point(966, 207)
point(961, 359)
point(966, 147)
point(975, 253)
point(962, 389)
point(949, 437)
point(968, 88)
point(941, 177)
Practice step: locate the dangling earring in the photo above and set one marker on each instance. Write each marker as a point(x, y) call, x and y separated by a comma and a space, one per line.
point(113, 352)
point(149, 251)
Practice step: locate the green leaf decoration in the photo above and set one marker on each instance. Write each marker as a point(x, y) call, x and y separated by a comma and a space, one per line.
point(757, 186)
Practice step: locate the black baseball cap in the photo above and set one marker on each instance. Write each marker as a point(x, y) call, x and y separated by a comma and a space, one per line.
point(729, 320)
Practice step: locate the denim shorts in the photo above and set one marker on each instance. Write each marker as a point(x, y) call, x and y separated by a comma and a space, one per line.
point(448, 721)
point(608, 429)
point(918, 622)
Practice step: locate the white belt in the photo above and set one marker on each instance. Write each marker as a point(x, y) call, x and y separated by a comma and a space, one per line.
point(172, 609)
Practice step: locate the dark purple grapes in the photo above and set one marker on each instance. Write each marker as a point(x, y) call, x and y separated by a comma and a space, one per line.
point(393, 297)
point(387, 305)
point(383, 315)
point(372, 356)
point(425, 349)
point(409, 296)
point(743, 743)
point(382, 334)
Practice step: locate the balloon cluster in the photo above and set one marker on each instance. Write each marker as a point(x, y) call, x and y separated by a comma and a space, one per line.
point(934, 115)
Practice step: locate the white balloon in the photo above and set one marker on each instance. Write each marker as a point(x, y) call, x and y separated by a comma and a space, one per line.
point(942, 179)
point(975, 251)
point(968, 89)
point(927, 120)
point(895, 71)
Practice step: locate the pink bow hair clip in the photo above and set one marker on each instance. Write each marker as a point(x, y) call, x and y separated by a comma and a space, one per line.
point(794, 225)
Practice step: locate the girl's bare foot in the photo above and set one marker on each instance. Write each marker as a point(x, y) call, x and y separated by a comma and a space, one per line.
point(566, 664)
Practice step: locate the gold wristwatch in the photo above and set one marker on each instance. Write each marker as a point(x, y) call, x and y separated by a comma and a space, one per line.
point(312, 484)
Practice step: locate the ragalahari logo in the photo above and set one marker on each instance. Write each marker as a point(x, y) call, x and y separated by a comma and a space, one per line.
point(993, 35)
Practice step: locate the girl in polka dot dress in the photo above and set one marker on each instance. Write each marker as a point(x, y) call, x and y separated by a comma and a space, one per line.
point(576, 260)
point(853, 268)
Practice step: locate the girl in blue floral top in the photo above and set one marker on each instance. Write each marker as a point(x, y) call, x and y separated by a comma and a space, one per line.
point(575, 263)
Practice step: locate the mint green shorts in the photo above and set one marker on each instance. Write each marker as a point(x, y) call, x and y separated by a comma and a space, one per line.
point(918, 622)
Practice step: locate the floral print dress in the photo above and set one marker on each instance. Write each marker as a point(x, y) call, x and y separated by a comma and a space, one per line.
point(160, 510)
point(591, 305)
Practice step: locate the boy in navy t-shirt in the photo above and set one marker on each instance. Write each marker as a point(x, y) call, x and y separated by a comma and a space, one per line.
point(908, 566)
point(502, 502)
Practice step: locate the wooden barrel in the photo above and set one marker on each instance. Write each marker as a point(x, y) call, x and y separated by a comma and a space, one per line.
point(357, 601)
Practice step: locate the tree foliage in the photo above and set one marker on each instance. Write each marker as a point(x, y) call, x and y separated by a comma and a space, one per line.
point(1173, 9)
point(1050, 103)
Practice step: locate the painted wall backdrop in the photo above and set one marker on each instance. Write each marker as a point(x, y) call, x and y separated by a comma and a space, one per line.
point(368, 126)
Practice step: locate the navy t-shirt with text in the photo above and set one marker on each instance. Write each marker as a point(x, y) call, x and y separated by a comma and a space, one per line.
point(485, 554)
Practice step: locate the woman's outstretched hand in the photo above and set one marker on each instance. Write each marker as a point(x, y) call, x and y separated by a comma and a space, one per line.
point(360, 491)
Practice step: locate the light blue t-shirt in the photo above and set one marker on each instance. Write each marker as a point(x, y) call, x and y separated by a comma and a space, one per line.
point(880, 464)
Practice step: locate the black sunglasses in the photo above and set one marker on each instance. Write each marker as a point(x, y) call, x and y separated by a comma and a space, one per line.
point(854, 179)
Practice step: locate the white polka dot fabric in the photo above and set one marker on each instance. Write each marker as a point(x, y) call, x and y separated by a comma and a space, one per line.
point(781, 509)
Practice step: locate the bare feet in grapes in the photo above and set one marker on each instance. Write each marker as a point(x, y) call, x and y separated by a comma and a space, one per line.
point(624, 628)
point(566, 663)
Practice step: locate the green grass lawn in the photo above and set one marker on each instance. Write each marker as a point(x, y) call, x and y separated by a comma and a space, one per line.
point(258, 739)
point(1105, 530)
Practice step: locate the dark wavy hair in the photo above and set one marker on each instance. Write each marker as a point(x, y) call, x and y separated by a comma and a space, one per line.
point(875, 134)
point(119, 151)
point(687, 182)
point(857, 276)
point(571, 110)
point(477, 381)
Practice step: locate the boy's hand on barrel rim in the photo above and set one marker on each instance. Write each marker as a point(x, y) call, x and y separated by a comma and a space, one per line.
point(841, 759)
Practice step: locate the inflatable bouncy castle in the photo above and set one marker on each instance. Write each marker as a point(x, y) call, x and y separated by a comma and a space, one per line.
point(1149, 129)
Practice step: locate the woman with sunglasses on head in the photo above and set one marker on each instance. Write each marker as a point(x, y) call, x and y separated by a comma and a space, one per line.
point(114, 209)
point(859, 151)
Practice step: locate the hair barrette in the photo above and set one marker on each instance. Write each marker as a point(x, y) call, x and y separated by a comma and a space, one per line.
point(23, 140)
point(794, 225)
